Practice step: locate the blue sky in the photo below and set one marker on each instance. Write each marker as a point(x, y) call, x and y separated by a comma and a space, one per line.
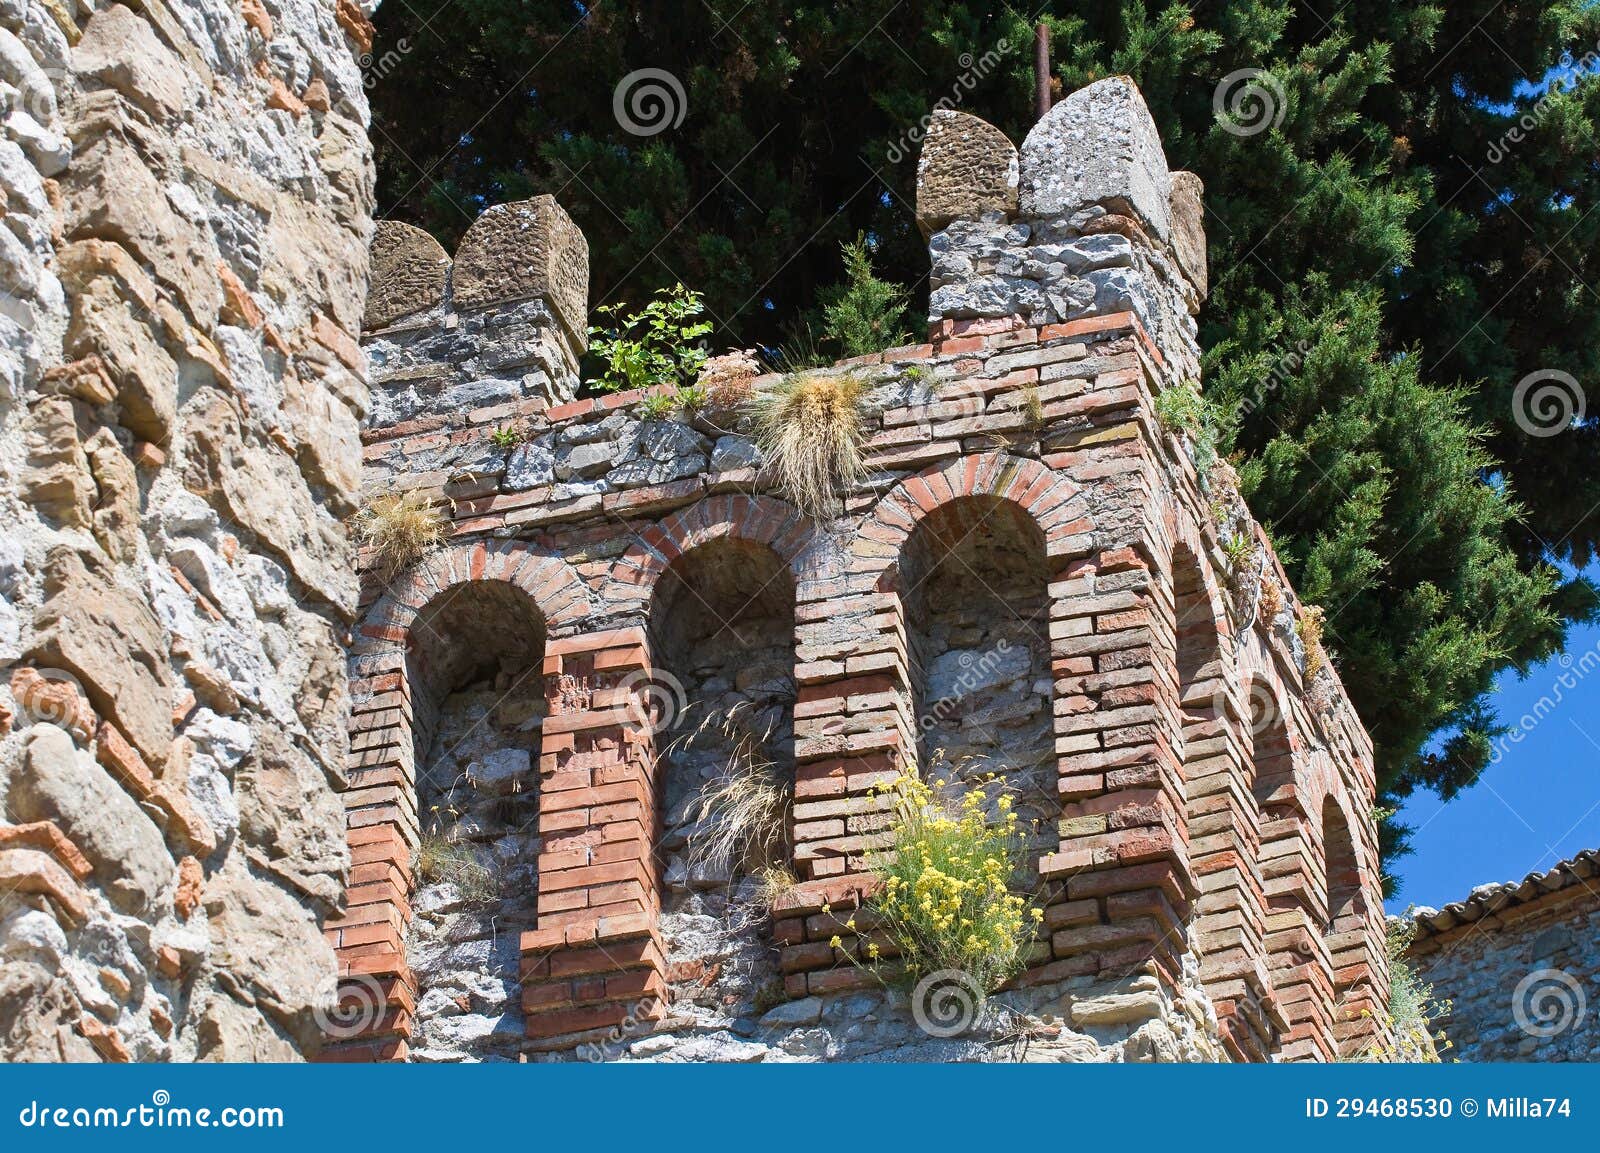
point(1537, 805)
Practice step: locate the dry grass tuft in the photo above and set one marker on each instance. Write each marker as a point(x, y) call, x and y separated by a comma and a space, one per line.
point(441, 860)
point(1310, 626)
point(744, 812)
point(811, 430)
point(400, 528)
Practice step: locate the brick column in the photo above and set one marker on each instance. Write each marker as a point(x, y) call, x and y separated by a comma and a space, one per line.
point(596, 959)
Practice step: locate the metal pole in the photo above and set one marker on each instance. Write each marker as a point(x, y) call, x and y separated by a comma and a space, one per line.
point(1041, 71)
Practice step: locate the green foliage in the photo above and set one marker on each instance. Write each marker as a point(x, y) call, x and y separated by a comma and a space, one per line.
point(1181, 409)
point(1386, 262)
point(662, 343)
point(658, 406)
point(506, 436)
point(864, 314)
point(1412, 1022)
point(948, 874)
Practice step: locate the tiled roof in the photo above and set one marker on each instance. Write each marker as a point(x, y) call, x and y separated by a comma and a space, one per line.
point(1492, 898)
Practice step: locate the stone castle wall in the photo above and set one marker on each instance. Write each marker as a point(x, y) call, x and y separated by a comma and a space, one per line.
point(1036, 574)
point(1518, 964)
point(186, 194)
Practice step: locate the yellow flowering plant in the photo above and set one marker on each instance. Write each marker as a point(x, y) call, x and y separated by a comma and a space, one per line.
point(948, 875)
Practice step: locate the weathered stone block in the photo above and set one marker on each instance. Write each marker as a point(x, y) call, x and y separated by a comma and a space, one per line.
point(63, 784)
point(120, 49)
point(967, 168)
point(409, 270)
point(530, 248)
point(1189, 228)
point(105, 636)
point(104, 324)
point(260, 489)
point(1099, 146)
point(114, 196)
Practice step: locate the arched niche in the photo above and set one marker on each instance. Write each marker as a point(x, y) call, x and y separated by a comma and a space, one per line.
point(475, 671)
point(974, 589)
point(721, 636)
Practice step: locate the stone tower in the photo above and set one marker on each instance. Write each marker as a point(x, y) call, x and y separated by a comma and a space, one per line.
point(1036, 574)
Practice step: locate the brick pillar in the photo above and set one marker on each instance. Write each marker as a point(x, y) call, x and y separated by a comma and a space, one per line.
point(596, 960)
point(381, 827)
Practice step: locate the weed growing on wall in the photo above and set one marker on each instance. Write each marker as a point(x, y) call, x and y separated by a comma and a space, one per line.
point(948, 874)
point(811, 429)
point(400, 528)
point(662, 343)
point(1182, 411)
point(1410, 1030)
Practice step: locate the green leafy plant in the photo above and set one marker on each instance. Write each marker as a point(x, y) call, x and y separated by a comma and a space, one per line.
point(949, 873)
point(1238, 548)
point(1181, 410)
point(662, 343)
point(1409, 1030)
point(864, 314)
point(912, 373)
point(507, 436)
point(811, 429)
point(691, 400)
point(400, 528)
point(658, 406)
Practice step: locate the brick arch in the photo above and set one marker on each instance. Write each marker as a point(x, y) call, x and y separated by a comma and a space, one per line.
point(1352, 920)
point(556, 591)
point(381, 820)
point(1049, 498)
point(756, 519)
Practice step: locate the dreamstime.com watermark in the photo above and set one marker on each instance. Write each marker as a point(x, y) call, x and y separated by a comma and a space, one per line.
point(976, 672)
point(648, 101)
point(1547, 402)
point(160, 1113)
point(973, 69)
point(1249, 101)
point(1540, 111)
point(1547, 1003)
point(1574, 672)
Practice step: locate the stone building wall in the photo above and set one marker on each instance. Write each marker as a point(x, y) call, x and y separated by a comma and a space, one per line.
point(1519, 964)
point(185, 211)
point(1034, 572)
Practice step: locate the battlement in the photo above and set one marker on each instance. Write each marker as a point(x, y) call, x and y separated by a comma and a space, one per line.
point(1034, 573)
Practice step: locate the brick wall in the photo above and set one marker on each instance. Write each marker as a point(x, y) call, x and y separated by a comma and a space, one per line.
point(1212, 850)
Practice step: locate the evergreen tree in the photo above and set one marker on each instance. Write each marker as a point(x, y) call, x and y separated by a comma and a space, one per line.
point(1399, 207)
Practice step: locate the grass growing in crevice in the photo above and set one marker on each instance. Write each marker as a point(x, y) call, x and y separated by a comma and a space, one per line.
point(742, 814)
point(811, 429)
point(400, 528)
point(440, 860)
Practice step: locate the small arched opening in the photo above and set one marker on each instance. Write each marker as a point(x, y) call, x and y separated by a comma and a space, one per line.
point(474, 669)
point(721, 631)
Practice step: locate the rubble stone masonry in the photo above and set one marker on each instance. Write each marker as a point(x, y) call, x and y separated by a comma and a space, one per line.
point(185, 211)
